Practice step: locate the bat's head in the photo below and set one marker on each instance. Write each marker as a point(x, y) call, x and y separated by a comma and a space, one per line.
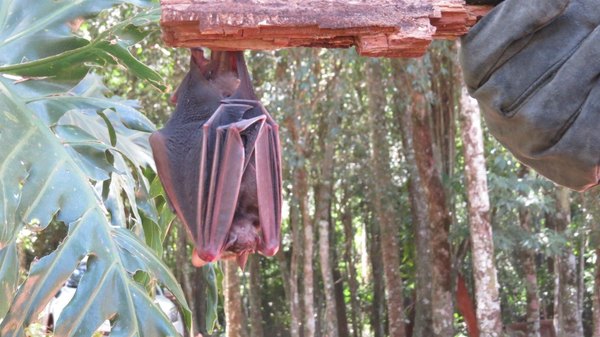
point(243, 239)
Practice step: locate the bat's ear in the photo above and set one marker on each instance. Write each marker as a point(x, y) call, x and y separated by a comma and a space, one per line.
point(245, 89)
point(199, 62)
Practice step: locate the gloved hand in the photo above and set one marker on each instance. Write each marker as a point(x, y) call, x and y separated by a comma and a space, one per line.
point(534, 67)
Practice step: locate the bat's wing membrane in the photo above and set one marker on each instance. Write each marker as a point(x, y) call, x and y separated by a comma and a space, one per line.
point(268, 185)
point(267, 160)
point(228, 132)
point(160, 152)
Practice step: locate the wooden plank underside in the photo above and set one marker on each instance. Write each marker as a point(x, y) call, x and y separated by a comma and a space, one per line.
point(387, 28)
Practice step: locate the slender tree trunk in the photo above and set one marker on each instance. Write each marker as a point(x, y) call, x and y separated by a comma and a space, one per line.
point(593, 207)
point(291, 270)
point(256, 321)
point(284, 269)
point(569, 316)
point(307, 266)
point(527, 258)
point(378, 304)
point(323, 191)
point(487, 296)
point(439, 218)
point(580, 271)
point(327, 274)
point(531, 285)
point(384, 212)
point(234, 316)
point(297, 243)
point(342, 313)
point(350, 266)
point(423, 310)
point(596, 309)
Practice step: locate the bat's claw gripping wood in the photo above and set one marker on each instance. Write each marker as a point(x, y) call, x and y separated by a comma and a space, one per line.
point(218, 158)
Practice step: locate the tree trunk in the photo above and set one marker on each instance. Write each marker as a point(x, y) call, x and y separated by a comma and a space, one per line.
point(295, 305)
point(569, 316)
point(327, 274)
point(418, 202)
point(487, 296)
point(385, 213)
point(323, 190)
point(307, 266)
point(350, 265)
point(256, 321)
point(591, 200)
point(596, 310)
point(527, 258)
point(439, 218)
point(342, 313)
point(234, 316)
point(378, 304)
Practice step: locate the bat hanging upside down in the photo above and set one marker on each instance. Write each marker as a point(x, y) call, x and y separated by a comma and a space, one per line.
point(218, 158)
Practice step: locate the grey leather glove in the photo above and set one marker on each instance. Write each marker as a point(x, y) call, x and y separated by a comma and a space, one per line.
point(534, 67)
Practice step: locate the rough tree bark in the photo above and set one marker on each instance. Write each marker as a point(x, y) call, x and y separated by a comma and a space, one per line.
point(295, 305)
point(591, 200)
point(323, 189)
point(302, 303)
point(596, 309)
point(340, 302)
point(351, 274)
point(254, 297)
point(403, 80)
point(527, 257)
point(391, 28)
point(307, 265)
point(377, 317)
point(385, 213)
point(569, 317)
point(440, 220)
point(331, 324)
point(234, 316)
point(487, 296)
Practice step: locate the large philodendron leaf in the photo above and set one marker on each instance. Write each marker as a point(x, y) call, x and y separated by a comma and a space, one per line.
point(35, 40)
point(39, 182)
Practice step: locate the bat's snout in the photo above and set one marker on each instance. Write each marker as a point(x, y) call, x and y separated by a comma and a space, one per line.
point(243, 237)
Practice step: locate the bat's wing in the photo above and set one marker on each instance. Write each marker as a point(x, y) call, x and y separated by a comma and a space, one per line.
point(161, 158)
point(266, 158)
point(228, 140)
point(268, 185)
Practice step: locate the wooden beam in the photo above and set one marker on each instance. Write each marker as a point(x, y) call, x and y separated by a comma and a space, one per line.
point(379, 28)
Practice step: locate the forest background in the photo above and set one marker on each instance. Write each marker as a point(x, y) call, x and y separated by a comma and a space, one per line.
point(375, 190)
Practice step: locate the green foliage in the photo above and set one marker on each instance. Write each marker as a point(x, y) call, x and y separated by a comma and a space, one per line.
point(37, 42)
point(74, 155)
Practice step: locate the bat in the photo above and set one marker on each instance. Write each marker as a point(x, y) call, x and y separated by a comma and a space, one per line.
point(218, 158)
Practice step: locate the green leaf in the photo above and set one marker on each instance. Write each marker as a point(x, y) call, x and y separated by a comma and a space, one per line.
point(9, 272)
point(212, 296)
point(41, 181)
point(25, 53)
point(35, 30)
